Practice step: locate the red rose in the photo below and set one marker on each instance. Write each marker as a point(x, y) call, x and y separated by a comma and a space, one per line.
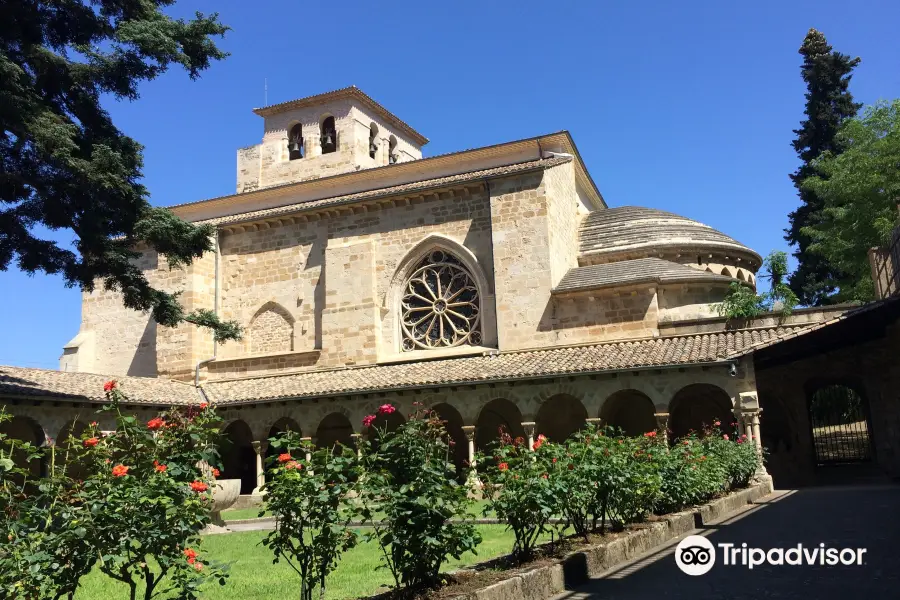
point(717, 423)
point(91, 442)
point(203, 405)
point(120, 471)
point(386, 409)
point(161, 468)
point(540, 442)
point(687, 443)
point(368, 420)
point(283, 458)
point(503, 466)
point(109, 385)
point(94, 423)
point(571, 467)
point(199, 486)
point(154, 424)
point(189, 553)
point(554, 460)
point(215, 472)
point(544, 476)
point(650, 434)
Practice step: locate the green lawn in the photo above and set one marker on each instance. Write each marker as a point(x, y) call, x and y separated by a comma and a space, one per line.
point(253, 576)
point(252, 513)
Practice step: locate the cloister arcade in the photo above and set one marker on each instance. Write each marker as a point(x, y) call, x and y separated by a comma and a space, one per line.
point(677, 401)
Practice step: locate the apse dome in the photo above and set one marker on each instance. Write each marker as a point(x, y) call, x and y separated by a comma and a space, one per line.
point(629, 232)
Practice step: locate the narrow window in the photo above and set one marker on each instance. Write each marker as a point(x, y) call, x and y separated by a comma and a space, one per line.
point(373, 135)
point(295, 142)
point(329, 136)
point(392, 150)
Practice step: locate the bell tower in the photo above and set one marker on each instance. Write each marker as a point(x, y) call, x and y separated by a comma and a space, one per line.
point(323, 135)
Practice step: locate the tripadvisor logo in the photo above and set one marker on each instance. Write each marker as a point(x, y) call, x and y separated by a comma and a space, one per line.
point(696, 555)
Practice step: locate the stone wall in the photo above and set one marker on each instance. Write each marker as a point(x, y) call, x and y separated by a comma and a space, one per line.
point(871, 369)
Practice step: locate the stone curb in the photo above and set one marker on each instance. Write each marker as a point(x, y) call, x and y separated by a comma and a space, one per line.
point(576, 568)
point(268, 520)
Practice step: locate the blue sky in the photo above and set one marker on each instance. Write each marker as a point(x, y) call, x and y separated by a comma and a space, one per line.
point(685, 106)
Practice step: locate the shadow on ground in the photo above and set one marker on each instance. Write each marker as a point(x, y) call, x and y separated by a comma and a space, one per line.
point(862, 516)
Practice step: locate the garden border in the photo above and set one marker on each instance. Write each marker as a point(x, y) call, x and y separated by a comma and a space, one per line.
point(577, 567)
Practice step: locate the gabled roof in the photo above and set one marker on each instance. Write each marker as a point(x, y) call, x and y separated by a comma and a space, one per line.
point(353, 93)
point(42, 384)
point(632, 272)
point(627, 228)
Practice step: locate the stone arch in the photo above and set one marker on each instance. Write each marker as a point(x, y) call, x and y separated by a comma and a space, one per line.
point(839, 418)
point(560, 416)
point(631, 411)
point(334, 429)
point(497, 413)
point(393, 157)
point(71, 429)
point(384, 424)
point(697, 405)
point(453, 423)
point(271, 329)
point(26, 429)
point(373, 137)
point(392, 302)
point(741, 276)
point(726, 272)
point(238, 456)
point(328, 134)
point(296, 146)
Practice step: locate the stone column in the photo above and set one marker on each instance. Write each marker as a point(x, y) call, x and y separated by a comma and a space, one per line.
point(357, 443)
point(529, 427)
point(662, 424)
point(472, 480)
point(260, 447)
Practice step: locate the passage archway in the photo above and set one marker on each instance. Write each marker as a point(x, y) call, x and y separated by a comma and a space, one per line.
point(838, 415)
point(334, 429)
point(26, 429)
point(560, 416)
point(697, 406)
point(453, 423)
point(496, 415)
point(238, 456)
point(630, 411)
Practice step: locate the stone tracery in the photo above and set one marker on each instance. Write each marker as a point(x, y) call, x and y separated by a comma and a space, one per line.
point(440, 307)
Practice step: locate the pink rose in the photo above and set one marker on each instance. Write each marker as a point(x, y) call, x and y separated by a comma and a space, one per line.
point(386, 409)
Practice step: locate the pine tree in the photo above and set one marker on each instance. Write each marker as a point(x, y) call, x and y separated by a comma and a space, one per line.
point(828, 104)
point(63, 163)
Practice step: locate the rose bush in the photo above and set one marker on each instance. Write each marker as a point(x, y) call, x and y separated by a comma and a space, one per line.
point(408, 490)
point(309, 500)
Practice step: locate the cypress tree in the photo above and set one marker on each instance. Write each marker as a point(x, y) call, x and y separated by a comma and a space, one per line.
point(828, 104)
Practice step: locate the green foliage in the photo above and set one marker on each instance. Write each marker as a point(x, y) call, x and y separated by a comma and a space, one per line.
point(860, 191)
point(409, 478)
point(308, 498)
point(67, 166)
point(136, 513)
point(829, 104)
point(741, 302)
point(519, 491)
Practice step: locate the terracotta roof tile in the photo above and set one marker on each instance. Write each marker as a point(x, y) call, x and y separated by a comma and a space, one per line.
point(623, 355)
point(18, 382)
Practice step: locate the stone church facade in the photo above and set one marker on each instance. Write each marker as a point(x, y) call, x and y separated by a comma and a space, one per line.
point(494, 285)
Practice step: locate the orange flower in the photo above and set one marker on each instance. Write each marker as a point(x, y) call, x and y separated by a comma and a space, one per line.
point(650, 434)
point(109, 385)
point(198, 566)
point(503, 466)
point(161, 468)
point(156, 423)
point(189, 553)
point(120, 471)
point(91, 442)
point(192, 560)
point(293, 465)
point(540, 442)
point(203, 405)
point(216, 472)
point(283, 458)
point(199, 486)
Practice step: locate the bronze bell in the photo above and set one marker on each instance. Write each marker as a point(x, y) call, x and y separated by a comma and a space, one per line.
point(295, 150)
point(327, 140)
point(372, 149)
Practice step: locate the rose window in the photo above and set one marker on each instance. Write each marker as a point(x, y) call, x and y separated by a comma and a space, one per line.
point(440, 305)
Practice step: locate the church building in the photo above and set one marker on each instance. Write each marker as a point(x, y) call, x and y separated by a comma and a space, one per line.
point(493, 285)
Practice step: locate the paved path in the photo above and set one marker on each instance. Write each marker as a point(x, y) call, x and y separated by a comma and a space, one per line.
point(849, 516)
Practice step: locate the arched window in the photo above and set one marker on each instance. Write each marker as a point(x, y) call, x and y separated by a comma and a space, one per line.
point(440, 306)
point(392, 149)
point(295, 142)
point(329, 136)
point(373, 134)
